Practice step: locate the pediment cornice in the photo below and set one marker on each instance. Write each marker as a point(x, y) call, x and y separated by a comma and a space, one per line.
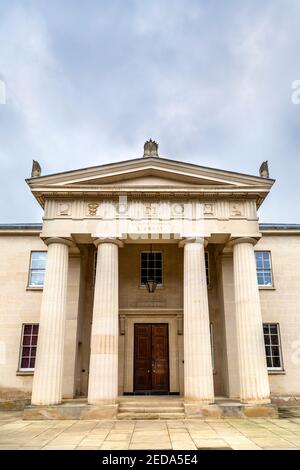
point(150, 177)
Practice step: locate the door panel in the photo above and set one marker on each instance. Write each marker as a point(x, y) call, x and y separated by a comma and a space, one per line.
point(142, 357)
point(160, 357)
point(151, 357)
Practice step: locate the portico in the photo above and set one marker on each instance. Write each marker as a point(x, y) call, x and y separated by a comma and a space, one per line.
point(174, 341)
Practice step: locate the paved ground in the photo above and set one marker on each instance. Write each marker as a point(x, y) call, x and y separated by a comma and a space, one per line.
point(258, 433)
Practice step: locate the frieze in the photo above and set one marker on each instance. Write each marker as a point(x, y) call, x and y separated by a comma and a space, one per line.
point(145, 210)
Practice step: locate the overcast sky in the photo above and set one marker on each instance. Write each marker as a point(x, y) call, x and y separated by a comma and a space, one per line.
point(87, 82)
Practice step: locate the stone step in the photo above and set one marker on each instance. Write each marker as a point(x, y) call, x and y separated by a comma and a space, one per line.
point(145, 404)
point(147, 415)
point(151, 409)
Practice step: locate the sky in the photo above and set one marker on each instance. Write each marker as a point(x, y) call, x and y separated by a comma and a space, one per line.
point(84, 83)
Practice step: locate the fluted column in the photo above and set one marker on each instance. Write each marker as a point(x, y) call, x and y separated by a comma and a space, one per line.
point(198, 373)
point(254, 383)
point(103, 374)
point(48, 374)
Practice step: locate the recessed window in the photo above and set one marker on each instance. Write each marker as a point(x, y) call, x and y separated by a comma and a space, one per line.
point(212, 346)
point(28, 347)
point(95, 266)
point(264, 268)
point(207, 267)
point(273, 346)
point(151, 267)
point(37, 269)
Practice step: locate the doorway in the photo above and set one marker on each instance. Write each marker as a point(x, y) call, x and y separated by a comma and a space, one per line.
point(151, 357)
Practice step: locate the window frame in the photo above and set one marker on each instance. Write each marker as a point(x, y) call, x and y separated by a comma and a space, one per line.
point(95, 257)
point(281, 368)
point(20, 368)
point(207, 268)
point(265, 286)
point(161, 285)
point(30, 270)
point(211, 330)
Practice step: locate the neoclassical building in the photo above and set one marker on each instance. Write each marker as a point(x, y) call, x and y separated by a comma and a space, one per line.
point(150, 277)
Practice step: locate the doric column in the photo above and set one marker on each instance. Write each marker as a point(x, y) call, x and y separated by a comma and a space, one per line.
point(198, 373)
point(48, 374)
point(254, 383)
point(103, 373)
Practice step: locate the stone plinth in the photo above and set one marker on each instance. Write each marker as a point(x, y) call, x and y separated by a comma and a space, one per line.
point(70, 411)
point(149, 409)
point(230, 410)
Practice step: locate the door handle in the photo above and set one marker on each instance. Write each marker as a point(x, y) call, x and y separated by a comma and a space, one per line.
point(148, 371)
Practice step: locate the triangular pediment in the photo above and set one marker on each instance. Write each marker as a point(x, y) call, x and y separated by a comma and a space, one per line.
point(149, 177)
point(148, 174)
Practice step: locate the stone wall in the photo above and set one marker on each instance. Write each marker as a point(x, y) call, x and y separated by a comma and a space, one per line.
point(20, 305)
point(282, 305)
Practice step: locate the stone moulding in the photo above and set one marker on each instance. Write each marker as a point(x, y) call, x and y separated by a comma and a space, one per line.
point(230, 410)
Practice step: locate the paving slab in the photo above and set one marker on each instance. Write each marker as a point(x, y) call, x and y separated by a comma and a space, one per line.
point(189, 434)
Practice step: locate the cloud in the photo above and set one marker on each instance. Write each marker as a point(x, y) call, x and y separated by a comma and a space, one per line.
point(89, 82)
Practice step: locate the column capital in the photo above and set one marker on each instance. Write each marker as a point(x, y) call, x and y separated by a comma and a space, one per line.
point(63, 241)
point(189, 240)
point(239, 240)
point(115, 241)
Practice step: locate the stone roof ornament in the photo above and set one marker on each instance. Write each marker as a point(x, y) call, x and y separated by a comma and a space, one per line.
point(150, 149)
point(264, 170)
point(36, 169)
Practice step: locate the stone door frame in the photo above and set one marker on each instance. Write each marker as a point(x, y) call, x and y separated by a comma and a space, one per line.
point(141, 317)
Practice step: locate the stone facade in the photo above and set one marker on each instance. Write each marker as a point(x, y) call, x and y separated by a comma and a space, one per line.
point(90, 304)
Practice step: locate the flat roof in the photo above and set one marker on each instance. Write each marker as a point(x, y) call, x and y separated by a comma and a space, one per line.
point(279, 226)
point(21, 226)
point(37, 227)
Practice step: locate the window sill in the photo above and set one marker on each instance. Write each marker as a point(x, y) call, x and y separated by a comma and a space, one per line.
point(24, 372)
point(157, 287)
point(276, 372)
point(35, 288)
point(266, 288)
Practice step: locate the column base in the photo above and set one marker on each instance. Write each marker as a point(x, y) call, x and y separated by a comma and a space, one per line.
point(201, 410)
point(230, 410)
point(70, 411)
point(267, 401)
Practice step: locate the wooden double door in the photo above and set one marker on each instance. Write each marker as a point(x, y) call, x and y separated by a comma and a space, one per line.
point(151, 357)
